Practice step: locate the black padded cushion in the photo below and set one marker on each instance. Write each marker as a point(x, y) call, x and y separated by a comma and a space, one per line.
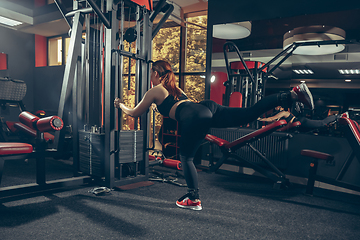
point(12, 90)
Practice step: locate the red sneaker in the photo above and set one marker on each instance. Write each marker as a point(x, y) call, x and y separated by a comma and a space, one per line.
point(304, 95)
point(345, 115)
point(187, 203)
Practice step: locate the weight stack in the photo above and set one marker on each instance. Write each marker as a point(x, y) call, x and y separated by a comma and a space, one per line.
point(131, 146)
point(91, 153)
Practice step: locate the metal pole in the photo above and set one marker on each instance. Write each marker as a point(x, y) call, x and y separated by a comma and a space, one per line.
point(110, 43)
point(100, 13)
point(163, 20)
point(145, 51)
point(69, 74)
point(138, 93)
point(120, 90)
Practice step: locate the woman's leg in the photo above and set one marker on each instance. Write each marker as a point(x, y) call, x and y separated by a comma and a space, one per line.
point(233, 117)
point(194, 120)
point(314, 124)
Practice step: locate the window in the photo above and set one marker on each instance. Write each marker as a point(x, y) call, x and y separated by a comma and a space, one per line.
point(194, 84)
point(67, 43)
point(196, 44)
point(55, 51)
point(129, 88)
point(195, 87)
point(166, 46)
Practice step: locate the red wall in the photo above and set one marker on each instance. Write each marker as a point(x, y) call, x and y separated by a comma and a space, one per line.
point(217, 88)
point(40, 51)
point(3, 61)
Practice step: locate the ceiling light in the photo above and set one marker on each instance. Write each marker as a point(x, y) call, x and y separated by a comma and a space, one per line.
point(302, 81)
point(232, 30)
point(315, 33)
point(303, 71)
point(9, 22)
point(349, 71)
point(347, 80)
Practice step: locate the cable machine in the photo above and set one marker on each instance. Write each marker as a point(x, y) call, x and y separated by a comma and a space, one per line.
point(244, 77)
point(94, 76)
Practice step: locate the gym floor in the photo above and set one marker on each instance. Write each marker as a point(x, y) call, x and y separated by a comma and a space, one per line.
point(234, 207)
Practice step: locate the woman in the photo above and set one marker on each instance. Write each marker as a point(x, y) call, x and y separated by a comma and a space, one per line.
point(195, 119)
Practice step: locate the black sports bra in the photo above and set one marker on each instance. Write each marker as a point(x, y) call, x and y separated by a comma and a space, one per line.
point(165, 107)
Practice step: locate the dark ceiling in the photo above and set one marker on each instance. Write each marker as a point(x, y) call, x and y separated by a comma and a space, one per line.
point(268, 35)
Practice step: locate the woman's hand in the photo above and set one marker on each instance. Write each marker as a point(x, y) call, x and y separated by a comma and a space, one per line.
point(269, 119)
point(117, 102)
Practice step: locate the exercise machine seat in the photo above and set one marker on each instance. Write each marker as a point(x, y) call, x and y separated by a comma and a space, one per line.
point(317, 155)
point(9, 148)
point(247, 138)
point(257, 134)
point(218, 141)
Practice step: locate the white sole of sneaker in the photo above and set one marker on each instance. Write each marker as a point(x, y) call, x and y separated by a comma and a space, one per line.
point(305, 87)
point(196, 208)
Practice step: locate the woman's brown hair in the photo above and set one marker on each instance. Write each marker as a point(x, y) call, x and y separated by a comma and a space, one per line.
point(167, 77)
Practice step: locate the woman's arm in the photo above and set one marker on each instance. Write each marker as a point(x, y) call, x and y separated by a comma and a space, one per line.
point(275, 117)
point(141, 108)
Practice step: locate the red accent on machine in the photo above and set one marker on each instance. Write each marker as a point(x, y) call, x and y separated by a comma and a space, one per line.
point(41, 124)
point(250, 64)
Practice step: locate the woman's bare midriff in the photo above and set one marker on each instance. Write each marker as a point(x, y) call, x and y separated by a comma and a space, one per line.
point(173, 108)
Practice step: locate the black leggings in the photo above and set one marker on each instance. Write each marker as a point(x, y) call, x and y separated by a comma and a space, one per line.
point(310, 124)
point(195, 120)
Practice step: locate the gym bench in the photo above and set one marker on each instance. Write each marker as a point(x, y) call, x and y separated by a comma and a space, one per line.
point(13, 151)
point(16, 150)
point(352, 133)
point(228, 151)
point(315, 155)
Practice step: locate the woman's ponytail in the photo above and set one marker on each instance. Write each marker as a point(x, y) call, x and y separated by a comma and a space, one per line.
point(167, 77)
